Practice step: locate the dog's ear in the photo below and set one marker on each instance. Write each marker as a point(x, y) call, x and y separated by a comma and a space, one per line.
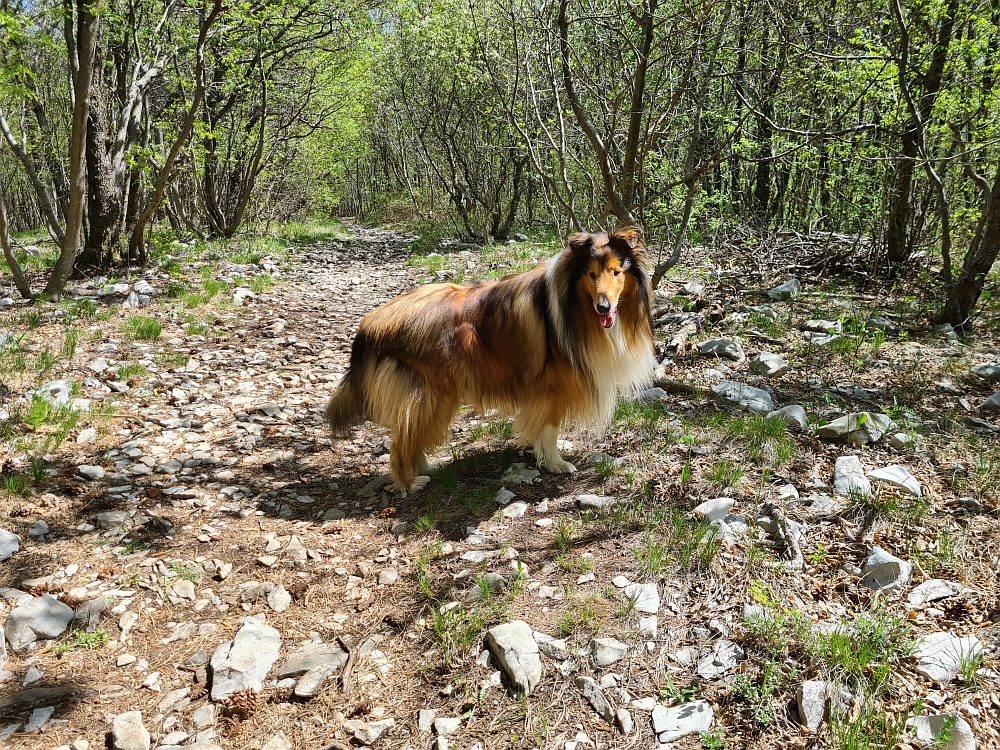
point(580, 243)
point(631, 236)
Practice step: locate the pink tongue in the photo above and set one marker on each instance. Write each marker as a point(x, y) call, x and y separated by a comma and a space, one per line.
point(608, 320)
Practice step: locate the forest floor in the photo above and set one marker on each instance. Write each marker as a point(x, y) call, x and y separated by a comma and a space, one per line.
point(175, 478)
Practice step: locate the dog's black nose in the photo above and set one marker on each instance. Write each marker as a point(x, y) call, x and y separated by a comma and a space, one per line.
point(603, 307)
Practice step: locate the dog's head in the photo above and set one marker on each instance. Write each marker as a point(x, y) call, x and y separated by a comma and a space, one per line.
point(605, 264)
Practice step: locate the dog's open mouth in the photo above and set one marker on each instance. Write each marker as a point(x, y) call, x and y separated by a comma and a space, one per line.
point(608, 319)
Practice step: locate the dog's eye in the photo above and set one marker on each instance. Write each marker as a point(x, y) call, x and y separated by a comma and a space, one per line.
point(593, 275)
point(618, 273)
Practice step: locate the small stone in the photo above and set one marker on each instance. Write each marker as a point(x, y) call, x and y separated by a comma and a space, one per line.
point(244, 662)
point(38, 529)
point(715, 510)
point(39, 718)
point(310, 684)
point(940, 656)
point(679, 721)
point(725, 655)
point(128, 732)
point(44, 617)
point(553, 648)
point(756, 400)
point(885, 571)
point(516, 652)
point(388, 577)
point(310, 657)
point(849, 477)
point(203, 717)
point(722, 348)
point(789, 290)
point(125, 660)
point(792, 415)
point(645, 597)
point(515, 510)
point(932, 590)
point(591, 502)
point(651, 396)
point(991, 404)
point(595, 697)
point(769, 365)
point(504, 496)
point(620, 581)
point(279, 599)
point(446, 725)
point(367, 732)
point(823, 326)
point(93, 473)
point(648, 627)
point(989, 371)
point(277, 742)
point(858, 428)
point(624, 719)
point(184, 590)
point(897, 476)
point(9, 544)
point(606, 651)
point(943, 732)
point(425, 718)
point(519, 473)
point(811, 699)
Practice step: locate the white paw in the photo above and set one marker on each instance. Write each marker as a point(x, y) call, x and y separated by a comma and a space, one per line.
point(559, 466)
point(419, 483)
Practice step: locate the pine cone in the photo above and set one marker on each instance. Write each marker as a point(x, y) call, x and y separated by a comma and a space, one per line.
point(282, 694)
point(21, 511)
point(298, 589)
point(242, 704)
point(197, 692)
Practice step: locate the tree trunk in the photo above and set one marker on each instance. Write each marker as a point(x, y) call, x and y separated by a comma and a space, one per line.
point(23, 288)
point(966, 288)
point(897, 248)
point(81, 54)
point(104, 198)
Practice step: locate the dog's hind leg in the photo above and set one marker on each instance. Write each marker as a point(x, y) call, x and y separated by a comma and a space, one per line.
point(426, 427)
point(547, 452)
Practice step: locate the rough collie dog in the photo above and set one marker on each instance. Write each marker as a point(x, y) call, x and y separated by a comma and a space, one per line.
point(553, 346)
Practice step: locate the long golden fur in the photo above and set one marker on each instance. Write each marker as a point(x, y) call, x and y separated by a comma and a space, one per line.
point(553, 346)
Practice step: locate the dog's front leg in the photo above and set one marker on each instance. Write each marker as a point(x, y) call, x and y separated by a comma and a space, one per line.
point(547, 452)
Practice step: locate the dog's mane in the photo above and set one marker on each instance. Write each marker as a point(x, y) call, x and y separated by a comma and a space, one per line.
point(618, 361)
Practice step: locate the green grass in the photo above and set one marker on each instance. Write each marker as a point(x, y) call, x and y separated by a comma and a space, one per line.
point(68, 349)
point(677, 541)
point(185, 572)
point(566, 533)
point(45, 361)
point(131, 370)
point(765, 440)
point(323, 229)
point(14, 484)
point(40, 410)
point(262, 283)
point(81, 639)
point(866, 654)
point(760, 690)
point(583, 615)
point(140, 328)
point(724, 473)
point(170, 359)
point(500, 430)
point(643, 417)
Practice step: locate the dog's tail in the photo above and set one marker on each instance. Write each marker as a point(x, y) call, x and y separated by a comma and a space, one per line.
point(347, 405)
